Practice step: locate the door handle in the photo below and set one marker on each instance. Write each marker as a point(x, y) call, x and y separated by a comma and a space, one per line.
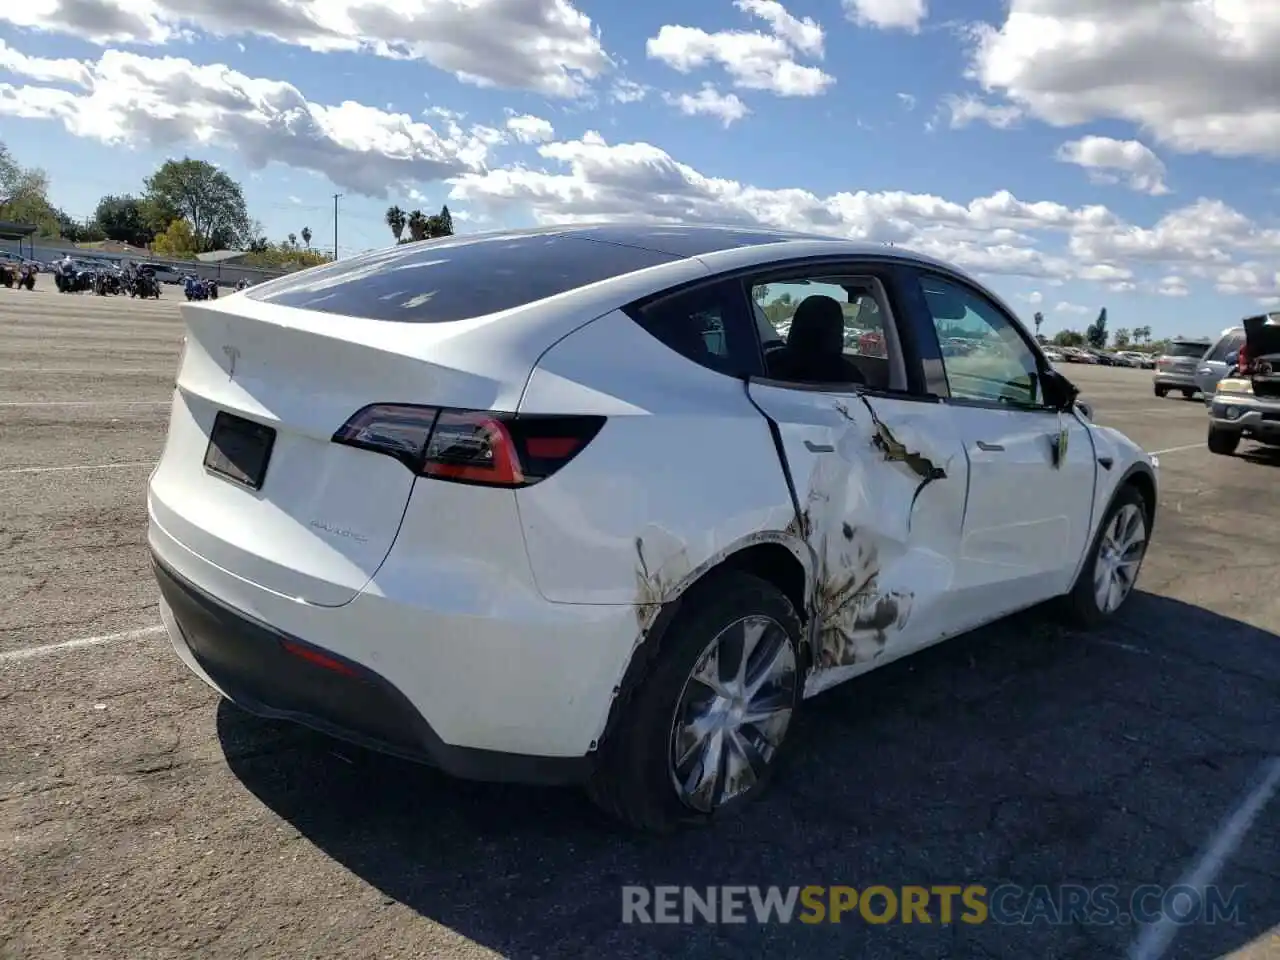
point(990, 447)
point(819, 447)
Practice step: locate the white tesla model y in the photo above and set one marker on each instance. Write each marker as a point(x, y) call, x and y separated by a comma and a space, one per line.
point(568, 505)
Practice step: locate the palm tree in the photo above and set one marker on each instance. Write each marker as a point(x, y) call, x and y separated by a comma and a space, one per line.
point(397, 221)
point(293, 239)
point(418, 225)
point(306, 237)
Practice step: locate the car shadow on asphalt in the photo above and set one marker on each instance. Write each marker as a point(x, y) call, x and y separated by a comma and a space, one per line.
point(1020, 754)
point(1259, 453)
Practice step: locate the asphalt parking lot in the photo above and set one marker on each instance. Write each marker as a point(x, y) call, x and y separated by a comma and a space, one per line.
point(140, 818)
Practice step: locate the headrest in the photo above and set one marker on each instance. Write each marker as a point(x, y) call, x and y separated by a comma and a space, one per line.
point(817, 327)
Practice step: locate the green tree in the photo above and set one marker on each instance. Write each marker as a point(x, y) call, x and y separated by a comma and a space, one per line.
point(445, 222)
point(24, 195)
point(293, 239)
point(177, 241)
point(124, 218)
point(209, 201)
point(1068, 338)
point(1096, 332)
point(397, 220)
point(1038, 319)
point(306, 237)
point(418, 225)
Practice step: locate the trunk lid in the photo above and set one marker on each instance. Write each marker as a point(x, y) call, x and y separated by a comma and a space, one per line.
point(1262, 346)
point(326, 515)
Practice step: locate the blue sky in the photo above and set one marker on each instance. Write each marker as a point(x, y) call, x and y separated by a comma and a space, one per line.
point(1039, 143)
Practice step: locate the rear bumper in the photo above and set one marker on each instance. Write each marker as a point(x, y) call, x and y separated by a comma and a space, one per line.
point(1175, 380)
point(272, 674)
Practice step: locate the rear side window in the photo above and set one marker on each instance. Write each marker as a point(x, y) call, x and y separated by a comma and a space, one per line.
point(1227, 348)
point(456, 278)
point(1195, 350)
point(708, 325)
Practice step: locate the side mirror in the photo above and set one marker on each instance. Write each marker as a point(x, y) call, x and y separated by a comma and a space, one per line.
point(1059, 392)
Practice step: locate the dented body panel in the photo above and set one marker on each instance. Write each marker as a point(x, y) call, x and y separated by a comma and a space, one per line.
point(881, 490)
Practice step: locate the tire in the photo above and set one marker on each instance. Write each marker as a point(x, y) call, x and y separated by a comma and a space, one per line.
point(634, 779)
point(1223, 442)
point(1188, 394)
point(1161, 391)
point(1081, 607)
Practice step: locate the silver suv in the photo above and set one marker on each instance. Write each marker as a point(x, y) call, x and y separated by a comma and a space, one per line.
point(1176, 367)
point(1220, 359)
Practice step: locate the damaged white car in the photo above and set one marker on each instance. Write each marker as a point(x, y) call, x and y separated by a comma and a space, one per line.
point(563, 506)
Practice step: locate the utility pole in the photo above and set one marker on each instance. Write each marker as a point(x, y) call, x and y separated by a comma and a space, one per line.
point(336, 198)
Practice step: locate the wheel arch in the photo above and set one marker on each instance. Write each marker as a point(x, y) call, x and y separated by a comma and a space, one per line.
point(773, 556)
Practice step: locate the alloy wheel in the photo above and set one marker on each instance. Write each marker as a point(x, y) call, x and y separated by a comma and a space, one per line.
point(733, 713)
point(1120, 554)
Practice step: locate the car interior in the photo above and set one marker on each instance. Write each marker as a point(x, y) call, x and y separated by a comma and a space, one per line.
point(815, 348)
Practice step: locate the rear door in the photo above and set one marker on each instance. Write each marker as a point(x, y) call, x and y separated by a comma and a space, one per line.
point(877, 478)
point(1031, 469)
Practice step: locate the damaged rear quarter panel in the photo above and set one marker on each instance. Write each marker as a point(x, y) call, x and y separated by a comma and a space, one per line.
point(683, 473)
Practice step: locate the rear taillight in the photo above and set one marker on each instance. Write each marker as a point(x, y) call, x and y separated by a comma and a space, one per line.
point(1244, 361)
point(470, 446)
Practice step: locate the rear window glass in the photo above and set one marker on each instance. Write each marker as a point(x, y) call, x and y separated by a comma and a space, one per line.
point(1186, 349)
point(456, 278)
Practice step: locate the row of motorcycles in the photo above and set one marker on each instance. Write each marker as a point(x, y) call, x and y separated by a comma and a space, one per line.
point(22, 276)
point(105, 281)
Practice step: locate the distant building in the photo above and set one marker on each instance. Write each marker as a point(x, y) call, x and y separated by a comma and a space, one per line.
point(222, 256)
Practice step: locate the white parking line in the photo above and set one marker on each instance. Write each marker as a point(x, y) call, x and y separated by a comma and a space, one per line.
point(30, 653)
point(1156, 938)
point(79, 466)
point(85, 403)
point(1189, 446)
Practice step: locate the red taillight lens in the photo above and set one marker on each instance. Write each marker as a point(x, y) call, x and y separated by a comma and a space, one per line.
point(1244, 361)
point(470, 446)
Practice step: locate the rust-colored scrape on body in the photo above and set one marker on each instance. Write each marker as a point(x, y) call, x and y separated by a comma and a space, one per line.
point(650, 591)
point(853, 615)
point(894, 451)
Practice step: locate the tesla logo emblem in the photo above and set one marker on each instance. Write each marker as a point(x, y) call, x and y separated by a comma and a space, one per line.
point(232, 356)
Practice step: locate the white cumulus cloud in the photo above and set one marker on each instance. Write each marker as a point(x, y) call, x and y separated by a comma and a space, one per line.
point(1107, 160)
point(548, 46)
point(1198, 75)
point(754, 60)
point(888, 14)
point(725, 107)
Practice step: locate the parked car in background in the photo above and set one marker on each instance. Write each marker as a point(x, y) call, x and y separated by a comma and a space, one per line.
point(1246, 400)
point(455, 520)
point(1219, 360)
point(1139, 359)
point(1176, 367)
point(1053, 356)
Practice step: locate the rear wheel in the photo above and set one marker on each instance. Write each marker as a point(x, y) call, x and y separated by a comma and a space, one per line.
point(702, 730)
point(1108, 577)
point(1189, 394)
point(1161, 391)
point(1223, 442)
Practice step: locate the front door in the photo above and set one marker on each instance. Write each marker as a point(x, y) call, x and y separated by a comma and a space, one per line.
point(1031, 468)
point(879, 481)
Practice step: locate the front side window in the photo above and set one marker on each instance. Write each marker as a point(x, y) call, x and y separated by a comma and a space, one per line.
point(985, 355)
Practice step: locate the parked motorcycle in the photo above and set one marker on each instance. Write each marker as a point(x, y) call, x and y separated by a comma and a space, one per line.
point(145, 285)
